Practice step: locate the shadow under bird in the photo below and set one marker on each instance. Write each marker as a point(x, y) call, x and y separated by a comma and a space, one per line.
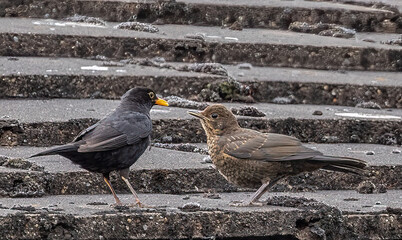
point(252, 159)
point(115, 142)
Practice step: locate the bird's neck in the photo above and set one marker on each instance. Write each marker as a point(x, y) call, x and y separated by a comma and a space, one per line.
point(135, 107)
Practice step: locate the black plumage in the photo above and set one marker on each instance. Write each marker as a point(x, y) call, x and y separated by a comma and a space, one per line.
point(115, 142)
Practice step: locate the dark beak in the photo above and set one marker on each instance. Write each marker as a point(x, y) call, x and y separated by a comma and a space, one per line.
point(161, 102)
point(196, 114)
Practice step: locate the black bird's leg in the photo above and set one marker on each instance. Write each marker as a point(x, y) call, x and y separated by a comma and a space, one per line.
point(253, 200)
point(125, 175)
point(106, 178)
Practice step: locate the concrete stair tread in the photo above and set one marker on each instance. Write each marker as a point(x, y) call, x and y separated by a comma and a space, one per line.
point(77, 66)
point(62, 110)
point(178, 32)
point(73, 66)
point(78, 204)
point(383, 156)
point(287, 4)
point(156, 158)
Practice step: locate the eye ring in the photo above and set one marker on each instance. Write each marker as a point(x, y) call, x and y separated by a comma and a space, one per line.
point(214, 115)
point(151, 95)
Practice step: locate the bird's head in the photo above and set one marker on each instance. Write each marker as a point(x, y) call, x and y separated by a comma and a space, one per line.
point(142, 97)
point(216, 119)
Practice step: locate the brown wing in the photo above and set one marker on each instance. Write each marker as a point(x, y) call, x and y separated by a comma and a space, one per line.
point(249, 144)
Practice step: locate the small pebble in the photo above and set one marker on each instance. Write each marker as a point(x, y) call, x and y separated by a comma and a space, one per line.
point(186, 197)
point(378, 203)
point(370, 153)
point(207, 159)
point(319, 113)
point(190, 207)
point(396, 151)
point(246, 66)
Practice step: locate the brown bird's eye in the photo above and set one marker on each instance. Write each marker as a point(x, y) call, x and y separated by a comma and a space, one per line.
point(151, 95)
point(214, 115)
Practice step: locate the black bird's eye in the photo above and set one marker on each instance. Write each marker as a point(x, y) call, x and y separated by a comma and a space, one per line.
point(214, 115)
point(151, 95)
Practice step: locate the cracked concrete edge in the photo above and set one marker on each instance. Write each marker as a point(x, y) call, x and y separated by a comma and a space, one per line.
point(41, 134)
point(311, 220)
point(279, 17)
point(80, 86)
point(278, 55)
point(182, 181)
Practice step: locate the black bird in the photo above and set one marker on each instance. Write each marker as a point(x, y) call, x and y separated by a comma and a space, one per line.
point(252, 159)
point(115, 142)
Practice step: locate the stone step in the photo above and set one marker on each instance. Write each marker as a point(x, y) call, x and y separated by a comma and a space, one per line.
point(184, 172)
point(69, 78)
point(324, 214)
point(261, 47)
point(34, 122)
point(250, 14)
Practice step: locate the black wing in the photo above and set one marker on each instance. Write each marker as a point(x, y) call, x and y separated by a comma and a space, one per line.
point(115, 132)
point(249, 144)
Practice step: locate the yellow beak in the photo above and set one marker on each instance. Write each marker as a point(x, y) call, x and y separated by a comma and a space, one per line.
point(161, 102)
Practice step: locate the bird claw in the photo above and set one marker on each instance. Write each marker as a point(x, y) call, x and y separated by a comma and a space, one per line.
point(141, 205)
point(245, 204)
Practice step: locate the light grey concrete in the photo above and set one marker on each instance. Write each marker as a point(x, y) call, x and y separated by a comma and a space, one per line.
point(155, 158)
point(78, 204)
point(213, 34)
point(59, 110)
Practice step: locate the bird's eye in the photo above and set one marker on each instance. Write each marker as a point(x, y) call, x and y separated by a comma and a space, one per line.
point(151, 95)
point(214, 115)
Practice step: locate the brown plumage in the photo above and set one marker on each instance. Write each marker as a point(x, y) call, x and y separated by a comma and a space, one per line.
point(253, 159)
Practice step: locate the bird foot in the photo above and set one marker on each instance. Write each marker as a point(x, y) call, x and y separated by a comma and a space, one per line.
point(245, 204)
point(141, 205)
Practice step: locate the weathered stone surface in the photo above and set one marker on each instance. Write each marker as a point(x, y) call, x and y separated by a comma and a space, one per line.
point(250, 14)
point(261, 49)
point(63, 217)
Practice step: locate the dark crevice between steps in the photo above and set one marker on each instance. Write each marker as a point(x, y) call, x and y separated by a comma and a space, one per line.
point(13, 133)
point(206, 88)
point(183, 181)
point(176, 50)
point(166, 12)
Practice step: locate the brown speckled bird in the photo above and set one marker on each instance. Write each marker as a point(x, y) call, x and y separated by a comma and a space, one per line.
point(252, 159)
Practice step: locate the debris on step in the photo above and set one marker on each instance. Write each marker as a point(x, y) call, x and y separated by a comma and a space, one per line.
point(323, 29)
point(370, 105)
point(284, 100)
point(396, 41)
point(137, 26)
point(308, 28)
point(212, 68)
point(85, 19)
point(191, 207)
point(246, 66)
point(175, 101)
point(196, 36)
point(206, 160)
point(112, 64)
point(317, 113)
point(19, 163)
point(248, 111)
point(24, 208)
point(339, 32)
point(185, 147)
point(368, 187)
point(237, 25)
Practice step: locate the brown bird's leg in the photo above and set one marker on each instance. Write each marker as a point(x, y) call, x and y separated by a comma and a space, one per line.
point(106, 178)
point(253, 200)
point(124, 175)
